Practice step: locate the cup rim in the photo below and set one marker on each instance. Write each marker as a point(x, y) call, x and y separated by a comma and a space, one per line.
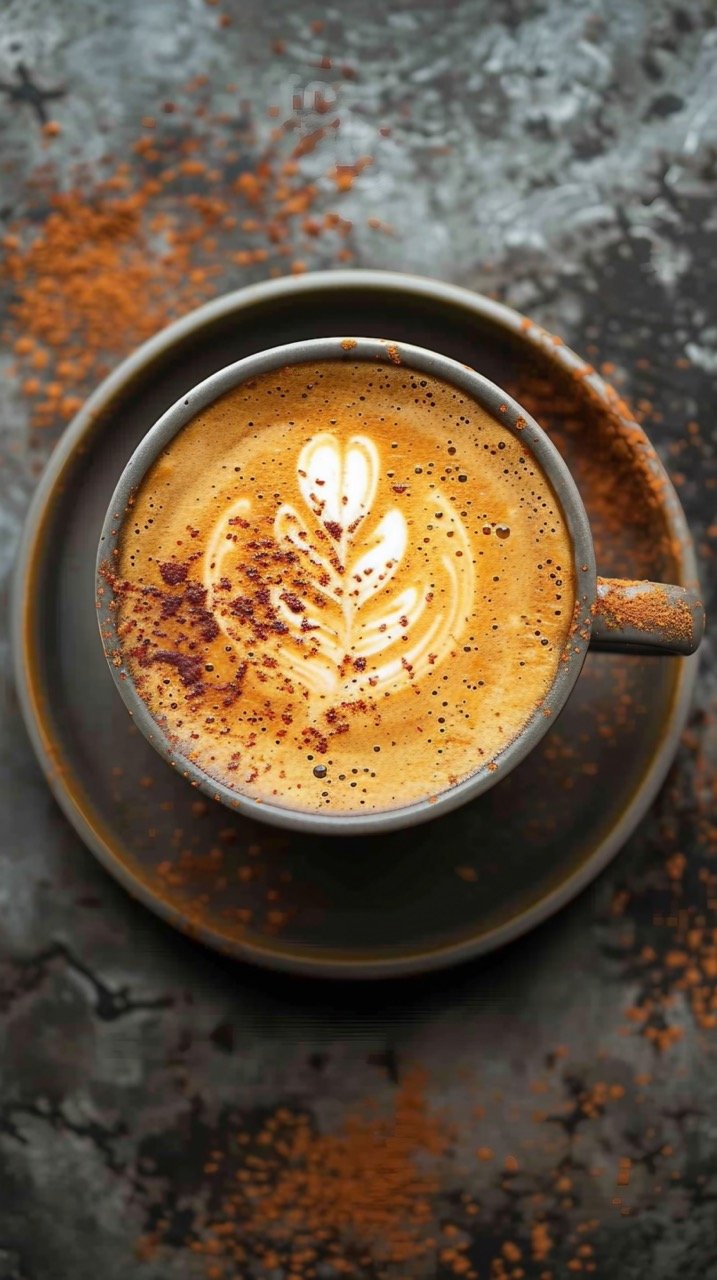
point(499, 405)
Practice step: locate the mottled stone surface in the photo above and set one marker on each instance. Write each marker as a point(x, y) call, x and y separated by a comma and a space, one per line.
point(562, 155)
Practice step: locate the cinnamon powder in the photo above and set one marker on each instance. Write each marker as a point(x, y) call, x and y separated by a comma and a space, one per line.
point(643, 607)
point(98, 265)
point(358, 1199)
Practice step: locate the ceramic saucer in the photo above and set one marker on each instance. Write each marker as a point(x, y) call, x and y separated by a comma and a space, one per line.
point(407, 901)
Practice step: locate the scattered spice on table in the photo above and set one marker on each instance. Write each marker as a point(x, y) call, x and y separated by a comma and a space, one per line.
point(375, 1197)
point(665, 930)
point(401, 1186)
point(205, 202)
point(357, 1197)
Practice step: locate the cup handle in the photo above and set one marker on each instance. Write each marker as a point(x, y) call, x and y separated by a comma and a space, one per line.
point(646, 618)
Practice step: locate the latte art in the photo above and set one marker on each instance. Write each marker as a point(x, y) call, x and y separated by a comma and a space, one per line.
point(343, 588)
point(349, 609)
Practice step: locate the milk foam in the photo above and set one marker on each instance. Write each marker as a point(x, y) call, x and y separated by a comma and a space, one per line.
point(345, 569)
point(352, 572)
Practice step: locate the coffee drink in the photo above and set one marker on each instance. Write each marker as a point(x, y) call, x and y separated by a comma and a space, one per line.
point(344, 587)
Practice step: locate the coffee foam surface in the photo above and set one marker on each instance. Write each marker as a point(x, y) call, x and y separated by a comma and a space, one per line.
point(343, 588)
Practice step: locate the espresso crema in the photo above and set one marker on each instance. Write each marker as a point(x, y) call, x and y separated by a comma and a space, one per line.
point(344, 587)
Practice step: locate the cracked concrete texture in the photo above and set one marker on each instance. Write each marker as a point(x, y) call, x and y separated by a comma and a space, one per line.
point(563, 155)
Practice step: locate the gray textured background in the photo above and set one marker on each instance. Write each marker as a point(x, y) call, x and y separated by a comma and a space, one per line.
point(562, 154)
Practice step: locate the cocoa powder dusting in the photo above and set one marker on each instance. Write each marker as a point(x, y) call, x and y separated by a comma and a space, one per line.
point(173, 573)
point(663, 927)
point(621, 483)
point(196, 207)
point(374, 1195)
point(643, 609)
point(286, 1194)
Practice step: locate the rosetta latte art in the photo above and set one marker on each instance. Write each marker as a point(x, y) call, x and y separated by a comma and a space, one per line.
point(353, 605)
point(344, 587)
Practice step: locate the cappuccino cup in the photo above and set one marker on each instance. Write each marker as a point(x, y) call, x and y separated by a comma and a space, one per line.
point(346, 585)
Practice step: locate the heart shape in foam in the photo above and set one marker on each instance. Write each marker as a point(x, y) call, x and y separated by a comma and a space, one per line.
point(344, 607)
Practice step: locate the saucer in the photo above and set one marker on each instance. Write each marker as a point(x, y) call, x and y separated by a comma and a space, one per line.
point(406, 901)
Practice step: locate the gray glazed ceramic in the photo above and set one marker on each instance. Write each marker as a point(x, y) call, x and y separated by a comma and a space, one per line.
point(513, 416)
point(377, 906)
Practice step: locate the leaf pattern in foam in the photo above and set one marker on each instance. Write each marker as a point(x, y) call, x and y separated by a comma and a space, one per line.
point(339, 485)
point(350, 608)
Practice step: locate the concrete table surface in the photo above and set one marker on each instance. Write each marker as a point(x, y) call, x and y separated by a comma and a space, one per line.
point(560, 154)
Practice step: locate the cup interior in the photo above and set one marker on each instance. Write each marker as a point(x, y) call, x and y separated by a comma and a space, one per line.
point(499, 405)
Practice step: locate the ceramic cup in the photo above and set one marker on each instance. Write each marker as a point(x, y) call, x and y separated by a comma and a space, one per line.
point(612, 614)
